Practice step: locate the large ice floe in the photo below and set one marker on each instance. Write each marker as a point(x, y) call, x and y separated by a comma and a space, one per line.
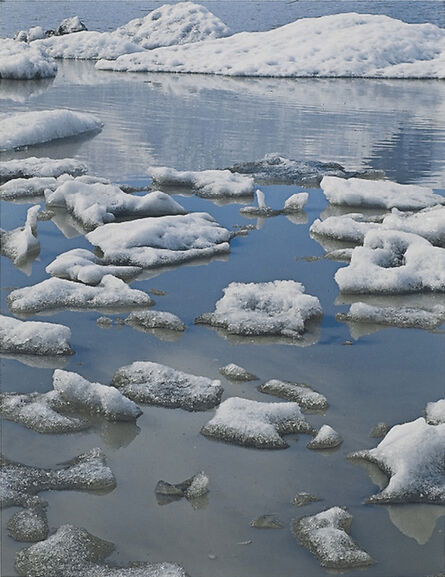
point(54, 293)
point(19, 61)
point(326, 536)
point(33, 338)
point(162, 241)
point(264, 309)
point(339, 45)
point(72, 551)
point(358, 192)
point(36, 127)
point(393, 262)
point(21, 244)
point(300, 393)
point(155, 384)
point(412, 457)
point(40, 167)
point(256, 424)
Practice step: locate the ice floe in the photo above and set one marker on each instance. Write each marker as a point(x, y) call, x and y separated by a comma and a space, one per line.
point(393, 262)
point(54, 293)
point(21, 244)
point(27, 189)
point(266, 522)
point(258, 309)
point(155, 384)
point(144, 320)
point(339, 45)
point(72, 552)
point(429, 223)
point(36, 127)
point(411, 455)
point(302, 394)
point(30, 524)
point(192, 489)
point(435, 412)
point(70, 25)
point(326, 536)
point(303, 498)
point(162, 241)
point(255, 424)
point(33, 338)
point(235, 373)
point(350, 228)
point(19, 61)
point(40, 167)
point(295, 203)
point(326, 438)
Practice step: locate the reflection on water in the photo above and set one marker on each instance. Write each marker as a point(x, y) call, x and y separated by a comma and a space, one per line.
point(416, 521)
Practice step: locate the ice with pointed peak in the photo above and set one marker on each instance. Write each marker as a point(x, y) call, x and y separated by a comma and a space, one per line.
point(193, 488)
point(155, 320)
point(19, 61)
point(326, 536)
point(40, 167)
point(33, 338)
point(70, 26)
point(305, 396)
point(234, 372)
point(256, 424)
point(295, 203)
point(155, 384)
point(326, 438)
point(261, 209)
point(21, 244)
point(435, 412)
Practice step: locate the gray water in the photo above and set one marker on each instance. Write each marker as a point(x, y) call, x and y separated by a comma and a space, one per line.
point(202, 122)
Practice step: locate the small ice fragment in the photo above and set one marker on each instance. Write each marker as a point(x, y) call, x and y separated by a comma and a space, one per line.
point(262, 209)
point(21, 243)
point(302, 394)
point(266, 522)
point(295, 203)
point(155, 320)
point(104, 322)
point(234, 372)
point(326, 438)
point(302, 499)
point(193, 488)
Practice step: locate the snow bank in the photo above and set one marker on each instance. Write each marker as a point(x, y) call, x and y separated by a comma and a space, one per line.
point(325, 535)
point(155, 384)
point(435, 412)
point(27, 128)
point(236, 373)
point(255, 424)
point(393, 262)
point(55, 293)
point(271, 308)
point(40, 167)
point(300, 393)
point(340, 45)
point(378, 194)
point(22, 62)
point(21, 243)
point(326, 438)
point(155, 320)
point(33, 338)
point(162, 241)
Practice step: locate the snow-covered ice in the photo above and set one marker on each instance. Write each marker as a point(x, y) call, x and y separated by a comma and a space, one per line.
point(257, 309)
point(70, 25)
point(40, 167)
point(30, 524)
point(255, 424)
point(300, 393)
point(33, 338)
point(295, 203)
point(155, 384)
point(36, 127)
point(325, 535)
point(346, 228)
point(304, 498)
point(261, 210)
point(235, 373)
point(326, 438)
point(339, 45)
point(21, 244)
point(435, 412)
point(27, 189)
point(155, 320)
point(19, 61)
point(429, 223)
point(54, 293)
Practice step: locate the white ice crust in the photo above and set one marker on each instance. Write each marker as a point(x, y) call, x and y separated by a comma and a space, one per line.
point(19, 61)
point(21, 243)
point(300, 393)
point(339, 45)
point(33, 338)
point(28, 128)
point(435, 412)
point(155, 320)
point(296, 202)
point(27, 188)
point(234, 372)
point(41, 167)
point(326, 438)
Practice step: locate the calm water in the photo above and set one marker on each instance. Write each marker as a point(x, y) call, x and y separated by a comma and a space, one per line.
point(196, 123)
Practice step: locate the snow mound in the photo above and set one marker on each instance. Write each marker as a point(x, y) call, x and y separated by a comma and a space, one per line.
point(30, 524)
point(19, 61)
point(207, 183)
point(155, 384)
point(411, 455)
point(236, 373)
point(84, 266)
point(339, 45)
point(33, 338)
point(21, 244)
point(28, 128)
point(94, 398)
point(155, 320)
point(72, 551)
point(393, 262)
point(435, 412)
point(325, 535)
point(384, 194)
point(55, 293)
point(326, 438)
point(162, 241)
point(40, 167)
point(270, 308)
point(255, 424)
point(302, 394)
point(192, 489)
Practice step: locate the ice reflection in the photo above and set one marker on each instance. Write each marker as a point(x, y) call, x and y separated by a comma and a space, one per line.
point(416, 521)
point(22, 90)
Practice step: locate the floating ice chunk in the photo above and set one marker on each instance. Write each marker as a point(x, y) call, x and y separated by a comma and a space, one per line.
point(30, 524)
point(33, 338)
point(435, 412)
point(366, 46)
point(236, 373)
point(378, 194)
point(82, 265)
point(429, 223)
point(55, 293)
point(22, 62)
point(269, 308)
point(155, 320)
point(411, 455)
point(40, 167)
point(255, 424)
point(193, 488)
point(393, 262)
point(162, 241)
point(262, 209)
point(325, 535)
point(72, 552)
point(346, 228)
point(27, 128)
point(94, 398)
point(207, 183)
point(295, 203)
point(70, 25)
point(21, 244)
point(340, 254)
point(26, 188)
point(300, 393)
point(155, 384)
point(266, 522)
point(326, 438)
point(303, 498)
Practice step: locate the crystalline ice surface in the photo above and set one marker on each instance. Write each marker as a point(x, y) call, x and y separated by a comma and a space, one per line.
point(326, 438)
point(155, 320)
point(40, 167)
point(435, 412)
point(21, 243)
point(234, 372)
point(296, 202)
point(33, 338)
point(20, 61)
point(155, 384)
point(300, 393)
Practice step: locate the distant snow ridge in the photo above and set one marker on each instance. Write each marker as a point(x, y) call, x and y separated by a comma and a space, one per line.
point(40, 167)
point(27, 128)
point(33, 338)
point(339, 45)
point(19, 61)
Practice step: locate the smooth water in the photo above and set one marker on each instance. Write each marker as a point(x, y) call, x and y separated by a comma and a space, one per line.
point(195, 122)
